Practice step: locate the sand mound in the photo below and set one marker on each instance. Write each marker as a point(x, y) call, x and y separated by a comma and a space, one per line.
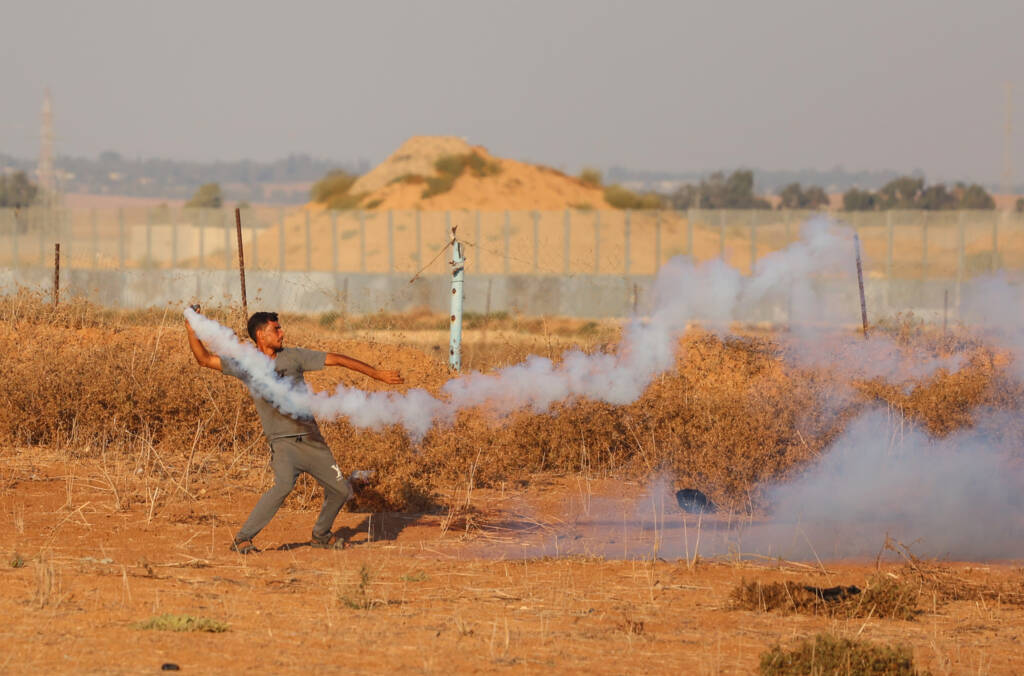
point(401, 181)
point(415, 157)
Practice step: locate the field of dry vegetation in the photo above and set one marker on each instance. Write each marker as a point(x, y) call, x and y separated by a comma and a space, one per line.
point(125, 468)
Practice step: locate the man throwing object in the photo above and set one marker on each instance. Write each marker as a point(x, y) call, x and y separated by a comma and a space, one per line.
point(296, 444)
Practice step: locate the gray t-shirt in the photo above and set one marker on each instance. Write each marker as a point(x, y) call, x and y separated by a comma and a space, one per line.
point(290, 363)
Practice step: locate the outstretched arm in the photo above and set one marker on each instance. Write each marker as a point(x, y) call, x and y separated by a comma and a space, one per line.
point(385, 376)
point(202, 355)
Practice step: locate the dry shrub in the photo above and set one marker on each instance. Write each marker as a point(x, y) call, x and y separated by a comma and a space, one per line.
point(943, 583)
point(827, 654)
point(881, 597)
point(731, 415)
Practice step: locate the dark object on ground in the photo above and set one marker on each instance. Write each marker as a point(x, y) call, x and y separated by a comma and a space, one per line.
point(693, 501)
point(169, 666)
point(833, 593)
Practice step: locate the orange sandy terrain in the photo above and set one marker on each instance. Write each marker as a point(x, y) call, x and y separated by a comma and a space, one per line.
point(415, 592)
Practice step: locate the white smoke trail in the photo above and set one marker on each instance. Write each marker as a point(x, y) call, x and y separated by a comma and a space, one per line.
point(683, 292)
point(415, 410)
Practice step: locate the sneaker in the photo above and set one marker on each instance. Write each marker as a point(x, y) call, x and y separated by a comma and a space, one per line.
point(328, 541)
point(244, 547)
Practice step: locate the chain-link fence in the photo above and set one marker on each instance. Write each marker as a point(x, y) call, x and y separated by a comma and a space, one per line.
point(905, 248)
point(897, 244)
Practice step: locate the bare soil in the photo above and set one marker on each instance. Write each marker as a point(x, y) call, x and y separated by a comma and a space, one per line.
point(452, 592)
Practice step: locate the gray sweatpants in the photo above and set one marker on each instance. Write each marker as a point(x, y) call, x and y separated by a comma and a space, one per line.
point(290, 456)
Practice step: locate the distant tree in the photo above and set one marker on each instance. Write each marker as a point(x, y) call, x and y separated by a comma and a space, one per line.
point(976, 197)
point(793, 196)
point(936, 197)
point(206, 197)
point(17, 191)
point(1020, 205)
point(624, 198)
point(856, 199)
point(900, 193)
point(591, 176)
point(333, 190)
point(816, 197)
point(720, 192)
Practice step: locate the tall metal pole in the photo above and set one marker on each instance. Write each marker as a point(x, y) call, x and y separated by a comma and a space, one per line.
point(56, 273)
point(241, 260)
point(458, 271)
point(860, 285)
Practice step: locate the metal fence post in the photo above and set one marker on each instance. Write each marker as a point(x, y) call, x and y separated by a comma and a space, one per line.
point(149, 237)
point(362, 241)
point(121, 237)
point(95, 236)
point(924, 245)
point(391, 242)
point(959, 258)
point(566, 225)
point(536, 241)
point(419, 243)
point(67, 233)
point(721, 233)
point(309, 244)
point(254, 244)
point(995, 240)
point(229, 225)
point(174, 240)
point(753, 240)
point(508, 237)
point(690, 215)
point(41, 222)
point(889, 247)
point(479, 244)
point(14, 239)
point(280, 240)
point(657, 240)
point(627, 227)
point(597, 242)
point(334, 241)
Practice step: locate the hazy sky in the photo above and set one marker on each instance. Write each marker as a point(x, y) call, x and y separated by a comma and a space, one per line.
point(645, 85)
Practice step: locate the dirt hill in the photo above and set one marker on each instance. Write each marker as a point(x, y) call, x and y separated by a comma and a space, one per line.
point(438, 173)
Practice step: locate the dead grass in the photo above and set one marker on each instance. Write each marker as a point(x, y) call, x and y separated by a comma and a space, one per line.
point(171, 622)
point(827, 654)
point(83, 381)
point(881, 597)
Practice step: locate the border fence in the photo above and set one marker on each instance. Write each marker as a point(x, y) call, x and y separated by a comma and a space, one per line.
point(573, 262)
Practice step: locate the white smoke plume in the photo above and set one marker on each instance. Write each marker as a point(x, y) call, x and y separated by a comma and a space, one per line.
point(415, 410)
point(711, 292)
point(957, 497)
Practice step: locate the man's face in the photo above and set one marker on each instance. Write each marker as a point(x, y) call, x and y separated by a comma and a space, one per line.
point(271, 336)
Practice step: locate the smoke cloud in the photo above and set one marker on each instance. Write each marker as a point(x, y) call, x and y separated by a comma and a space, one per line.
point(711, 292)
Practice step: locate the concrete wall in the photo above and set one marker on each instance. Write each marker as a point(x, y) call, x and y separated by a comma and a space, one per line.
point(585, 296)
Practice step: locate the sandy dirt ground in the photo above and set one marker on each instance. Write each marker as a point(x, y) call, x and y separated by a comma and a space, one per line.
point(475, 591)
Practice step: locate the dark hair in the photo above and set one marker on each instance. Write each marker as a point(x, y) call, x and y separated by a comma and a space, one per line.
point(258, 321)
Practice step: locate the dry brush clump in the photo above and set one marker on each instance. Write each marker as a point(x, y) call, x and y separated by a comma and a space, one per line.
point(98, 383)
point(882, 597)
point(827, 654)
